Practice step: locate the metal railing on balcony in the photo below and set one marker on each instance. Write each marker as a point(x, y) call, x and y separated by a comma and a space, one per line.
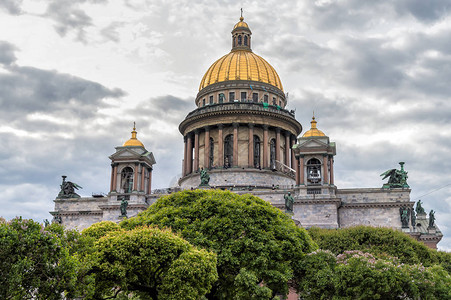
point(241, 105)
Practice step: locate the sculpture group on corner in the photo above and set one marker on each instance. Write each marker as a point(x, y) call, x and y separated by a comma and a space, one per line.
point(396, 178)
point(68, 189)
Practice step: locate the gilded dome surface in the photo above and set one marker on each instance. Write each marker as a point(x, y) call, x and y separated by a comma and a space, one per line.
point(241, 65)
point(313, 131)
point(133, 141)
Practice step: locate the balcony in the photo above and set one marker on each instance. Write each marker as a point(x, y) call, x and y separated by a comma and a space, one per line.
point(243, 106)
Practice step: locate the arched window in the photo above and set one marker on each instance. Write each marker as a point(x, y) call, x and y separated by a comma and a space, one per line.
point(272, 154)
point(313, 171)
point(221, 98)
point(228, 151)
point(127, 180)
point(234, 41)
point(239, 40)
point(212, 153)
point(245, 40)
point(257, 152)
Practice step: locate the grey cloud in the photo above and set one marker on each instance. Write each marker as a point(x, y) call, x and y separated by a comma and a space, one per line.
point(7, 55)
point(28, 89)
point(12, 6)
point(426, 11)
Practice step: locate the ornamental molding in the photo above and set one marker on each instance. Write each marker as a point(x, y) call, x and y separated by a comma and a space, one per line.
point(377, 204)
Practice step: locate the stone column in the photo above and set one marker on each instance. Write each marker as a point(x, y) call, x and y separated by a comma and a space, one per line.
point(326, 172)
point(278, 144)
point(185, 156)
point(298, 174)
point(149, 188)
point(135, 178)
point(196, 150)
point(189, 155)
point(265, 146)
point(301, 170)
point(293, 158)
point(251, 145)
point(220, 146)
point(113, 177)
point(287, 148)
point(331, 160)
point(143, 174)
point(235, 144)
point(207, 148)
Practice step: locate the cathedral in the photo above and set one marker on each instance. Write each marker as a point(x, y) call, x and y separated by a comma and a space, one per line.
point(242, 138)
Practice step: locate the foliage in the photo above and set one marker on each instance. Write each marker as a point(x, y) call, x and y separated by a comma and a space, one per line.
point(377, 241)
point(98, 230)
point(150, 263)
point(255, 242)
point(37, 262)
point(360, 275)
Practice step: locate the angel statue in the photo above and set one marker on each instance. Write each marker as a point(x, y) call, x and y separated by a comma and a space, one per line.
point(396, 178)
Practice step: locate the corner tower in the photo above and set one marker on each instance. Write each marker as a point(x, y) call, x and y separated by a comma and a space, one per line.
point(240, 132)
point(131, 173)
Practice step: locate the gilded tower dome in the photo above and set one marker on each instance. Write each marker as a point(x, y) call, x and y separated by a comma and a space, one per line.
point(241, 63)
point(133, 141)
point(313, 131)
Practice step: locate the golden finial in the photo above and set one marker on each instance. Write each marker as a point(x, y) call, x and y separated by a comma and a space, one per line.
point(241, 18)
point(133, 141)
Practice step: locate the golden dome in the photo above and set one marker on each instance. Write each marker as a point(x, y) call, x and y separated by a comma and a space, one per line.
point(313, 130)
point(241, 65)
point(133, 141)
point(241, 23)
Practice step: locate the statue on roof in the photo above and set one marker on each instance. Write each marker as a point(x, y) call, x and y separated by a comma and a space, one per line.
point(396, 178)
point(289, 201)
point(413, 217)
point(124, 204)
point(68, 189)
point(431, 219)
point(404, 212)
point(419, 209)
point(204, 177)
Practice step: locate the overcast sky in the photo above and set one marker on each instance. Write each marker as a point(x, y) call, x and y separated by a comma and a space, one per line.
point(76, 74)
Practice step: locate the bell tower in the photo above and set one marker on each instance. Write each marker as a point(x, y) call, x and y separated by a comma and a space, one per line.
point(131, 171)
point(315, 162)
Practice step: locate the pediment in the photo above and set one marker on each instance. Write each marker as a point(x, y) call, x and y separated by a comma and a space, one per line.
point(125, 153)
point(313, 143)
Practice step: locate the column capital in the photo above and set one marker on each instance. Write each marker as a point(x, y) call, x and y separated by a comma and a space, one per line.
point(235, 125)
point(207, 128)
point(220, 126)
point(251, 125)
point(265, 127)
point(196, 131)
point(114, 164)
point(277, 129)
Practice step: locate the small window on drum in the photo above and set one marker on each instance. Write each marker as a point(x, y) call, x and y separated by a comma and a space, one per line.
point(231, 96)
point(239, 40)
point(265, 98)
point(211, 99)
point(245, 40)
point(221, 98)
point(255, 97)
point(243, 96)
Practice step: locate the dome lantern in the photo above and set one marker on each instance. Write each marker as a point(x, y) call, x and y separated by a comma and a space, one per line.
point(313, 132)
point(241, 35)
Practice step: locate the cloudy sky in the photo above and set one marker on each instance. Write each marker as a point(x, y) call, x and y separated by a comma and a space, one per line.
point(76, 74)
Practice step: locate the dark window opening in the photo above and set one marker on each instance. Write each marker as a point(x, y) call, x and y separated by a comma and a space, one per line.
point(211, 99)
point(239, 40)
point(313, 171)
point(127, 180)
point(255, 97)
point(231, 96)
point(273, 100)
point(272, 154)
point(203, 102)
point(245, 40)
point(212, 152)
point(228, 151)
point(221, 98)
point(265, 98)
point(256, 152)
point(243, 96)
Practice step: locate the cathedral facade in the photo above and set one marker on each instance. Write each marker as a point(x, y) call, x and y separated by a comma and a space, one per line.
point(244, 138)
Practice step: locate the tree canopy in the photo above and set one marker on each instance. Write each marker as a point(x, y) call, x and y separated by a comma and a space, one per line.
point(259, 248)
point(37, 262)
point(150, 263)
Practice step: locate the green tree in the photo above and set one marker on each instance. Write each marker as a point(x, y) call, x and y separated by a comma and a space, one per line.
point(361, 275)
point(37, 262)
point(149, 263)
point(259, 247)
point(376, 241)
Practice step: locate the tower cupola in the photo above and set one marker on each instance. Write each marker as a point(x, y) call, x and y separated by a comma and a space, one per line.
point(241, 36)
